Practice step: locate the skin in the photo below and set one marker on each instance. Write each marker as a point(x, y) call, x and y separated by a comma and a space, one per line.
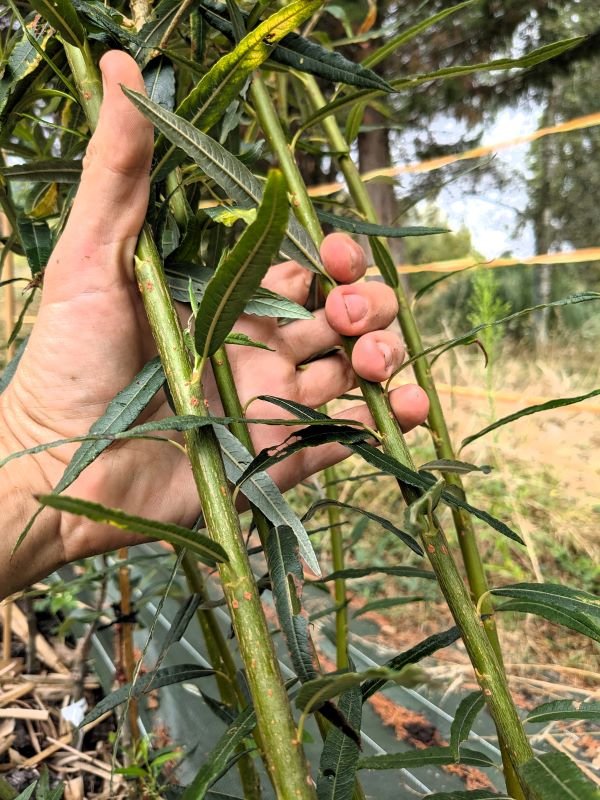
point(91, 338)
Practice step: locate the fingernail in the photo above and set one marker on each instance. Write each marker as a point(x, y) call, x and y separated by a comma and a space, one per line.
point(356, 307)
point(386, 352)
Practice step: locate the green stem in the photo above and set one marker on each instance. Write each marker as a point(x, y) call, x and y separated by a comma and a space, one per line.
point(285, 757)
point(337, 558)
point(488, 671)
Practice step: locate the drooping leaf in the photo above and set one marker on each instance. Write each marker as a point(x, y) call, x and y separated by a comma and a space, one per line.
point(228, 171)
point(36, 238)
point(302, 54)
point(391, 466)
point(219, 758)
point(57, 170)
point(431, 756)
point(238, 277)
point(555, 595)
point(166, 676)
point(465, 716)
point(182, 619)
point(10, 369)
point(553, 775)
point(206, 550)
point(165, 14)
point(340, 754)
point(425, 648)
point(385, 523)
point(455, 467)
point(525, 412)
point(386, 602)
point(159, 79)
point(359, 226)
point(384, 262)
point(287, 580)
point(315, 692)
point(362, 572)
point(581, 623)
point(63, 18)
point(262, 492)
point(107, 20)
point(241, 340)
point(564, 709)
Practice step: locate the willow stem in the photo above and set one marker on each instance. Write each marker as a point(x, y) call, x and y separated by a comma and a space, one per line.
point(487, 669)
point(285, 757)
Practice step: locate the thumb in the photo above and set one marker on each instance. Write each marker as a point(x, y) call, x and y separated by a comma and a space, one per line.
point(96, 248)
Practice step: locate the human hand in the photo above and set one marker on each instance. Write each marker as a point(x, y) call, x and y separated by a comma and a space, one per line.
point(91, 338)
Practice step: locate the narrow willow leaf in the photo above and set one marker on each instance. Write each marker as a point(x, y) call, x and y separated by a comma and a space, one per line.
point(10, 369)
point(305, 437)
point(559, 616)
point(57, 170)
point(238, 277)
point(558, 596)
point(340, 754)
point(553, 775)
point(206, 550)
point(159, 79)
point(315, 692)
point(564, 709)
point(300, 53)
point(106, 19)
point(27, 793)
point(152, 32)
point(385, 523)
point(218, 759)
point(287, 580)
point(465, 716)
point(36, 240)
point(456, 467)
point(477, 794)
point(359, 226)
point(525, 412)
point(262, 492)
point(425, 648)
point(63, 18)
point(362, 572)
point(386, 602)
point(431, 756)
point(391, 466)
point(180, 623)
point(242, 340)
point(166, 676)
point(228, 171)
point(384, 262)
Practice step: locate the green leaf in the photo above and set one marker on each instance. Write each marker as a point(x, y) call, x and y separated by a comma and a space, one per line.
point(385, 523)
point(564, 709)
point(455, 467)
point(386, 602)
point(242, 340)
point(228, 172)
point(559, 616)
point(478, 794)
point(262, 492)
point(166, 676)
point(553, 775)
point(238, 277)
point(11, 367)
point(555, 595)
point(56, 170)
point(359, 226)
point(420, 651)
point(36, 239)
point(182, 619)
point(159, 79)
point(287, 580)
point(27, 793)
point(300, 53)
point(465, 716)
point(385, 264)
point(362, 572)
point(391, 466)
point(206, 550)
point(153, 31)
point(525, 412)
point(218, 759)
point(63, 18)
point(431, 756)
point(340, 754)
point(314, 693)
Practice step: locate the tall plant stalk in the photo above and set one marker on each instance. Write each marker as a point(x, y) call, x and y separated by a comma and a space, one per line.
point(488, 671)
point(284, 753)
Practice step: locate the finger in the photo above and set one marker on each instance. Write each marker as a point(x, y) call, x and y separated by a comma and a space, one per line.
point(290, 280)
point(410, 406)
point(109, 209)
point(343, 258)
point(377, 355)
point(355, 310)
point(306, 338)
point(325, 379)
